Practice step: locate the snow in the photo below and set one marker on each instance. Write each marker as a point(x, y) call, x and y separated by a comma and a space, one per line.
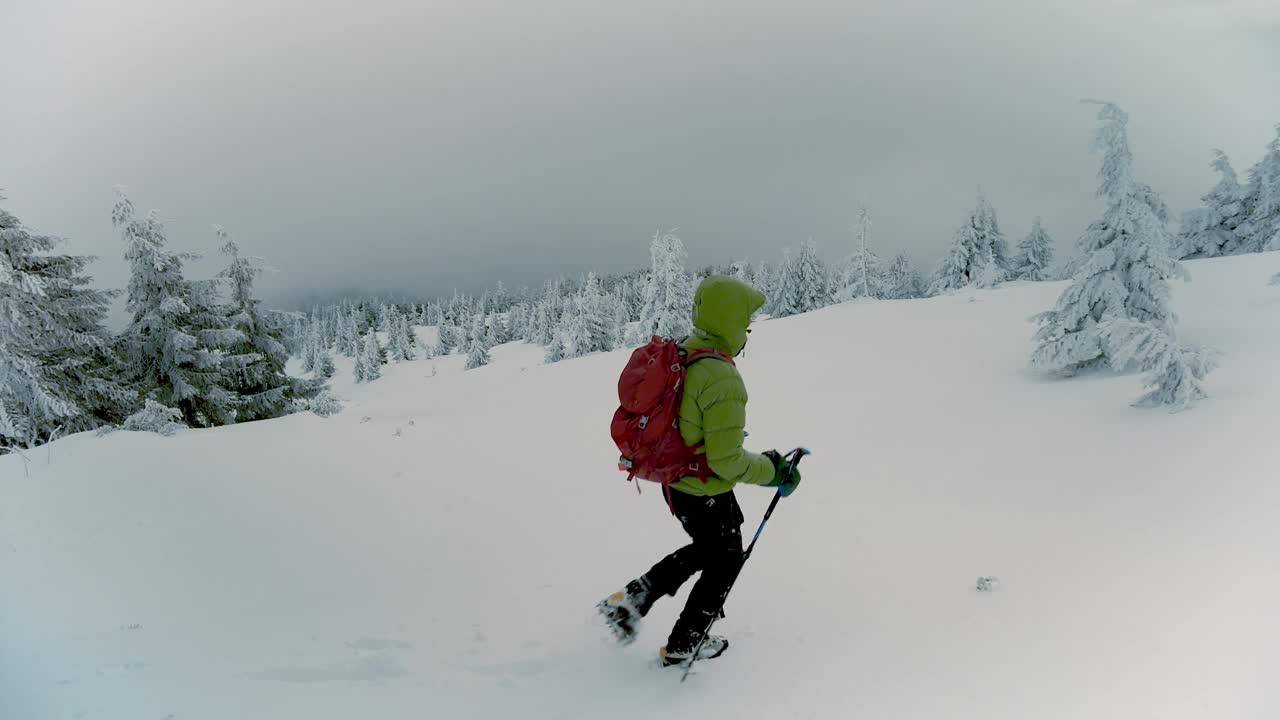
point(435, 550)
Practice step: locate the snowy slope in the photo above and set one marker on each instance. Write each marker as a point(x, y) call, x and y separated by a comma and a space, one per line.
point(332, 568)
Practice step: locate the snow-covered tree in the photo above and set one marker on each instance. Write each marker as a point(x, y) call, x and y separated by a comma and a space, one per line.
point(1261, 229)
point(554, 352)
point(1174, 373)
point(348, 334)
point(978, 254)
point(175, 345)
point(541, 327)
point(762, 278)
point(987, 228)
point(1116, 309)
point(591, 327)
point(955, 268)
point(668, 298)
point(154, 417)
point(862, 273)
point(256, 362)
point(57, 373)
point(1035, 255)
point(1211, 229)
point(803, 283)
point(477, 346)
point(402, 342)
point(901, 281)
point(370, 359)
point(451, 338)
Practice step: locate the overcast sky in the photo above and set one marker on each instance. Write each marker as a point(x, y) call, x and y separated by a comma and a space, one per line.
point(421, 145)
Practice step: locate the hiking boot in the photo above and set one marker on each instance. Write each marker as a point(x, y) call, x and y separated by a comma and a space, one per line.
point(713, 647)
point(622, 610)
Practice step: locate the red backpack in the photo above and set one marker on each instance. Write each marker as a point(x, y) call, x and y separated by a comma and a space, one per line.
point(646, 426)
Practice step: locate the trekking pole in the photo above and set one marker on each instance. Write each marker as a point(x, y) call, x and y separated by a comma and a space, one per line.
point(793, 459)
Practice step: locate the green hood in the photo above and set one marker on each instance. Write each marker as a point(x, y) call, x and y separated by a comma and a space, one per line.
point(722, 310)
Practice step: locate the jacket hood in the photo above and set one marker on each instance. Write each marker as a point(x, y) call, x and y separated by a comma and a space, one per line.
point(722, 309)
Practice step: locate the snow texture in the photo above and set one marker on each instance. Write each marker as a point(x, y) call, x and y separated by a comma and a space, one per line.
point(322, 568)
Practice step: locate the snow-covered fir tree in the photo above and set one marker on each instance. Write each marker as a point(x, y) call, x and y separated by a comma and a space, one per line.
point(976, 244)
point(803, 283)
point(370, 359)
point(57, 372)
point(990, 274)
point(901, 281)
point(443, 345)
point(477, 346)
point(762, 277)
point(1211, 230)
point(347, 338)
point(955, 269)
point(402, 341)
point(591, 327)
point(1034, 256)
point(668, 298)
point(781, 298)
point(541, 327)
point(742, 270)
point(987, 227)
point(862, 273)
point(1261, 229)
point(1116, 310)
point(265, 390)
point(175, 345)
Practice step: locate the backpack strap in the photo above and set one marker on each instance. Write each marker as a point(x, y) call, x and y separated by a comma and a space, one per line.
point(691, 357)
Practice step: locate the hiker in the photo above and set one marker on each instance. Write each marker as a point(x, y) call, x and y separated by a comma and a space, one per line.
point(711, 417)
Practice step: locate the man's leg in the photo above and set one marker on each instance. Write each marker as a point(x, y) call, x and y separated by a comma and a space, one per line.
point(715, 524)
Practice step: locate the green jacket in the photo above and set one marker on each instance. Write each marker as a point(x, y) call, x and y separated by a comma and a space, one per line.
point(713, 409)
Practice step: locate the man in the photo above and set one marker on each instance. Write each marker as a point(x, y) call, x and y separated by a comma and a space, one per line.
point(713, 412)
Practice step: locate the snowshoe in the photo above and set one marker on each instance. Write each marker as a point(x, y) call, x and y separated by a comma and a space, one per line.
point(713, 647)
point(623, 610)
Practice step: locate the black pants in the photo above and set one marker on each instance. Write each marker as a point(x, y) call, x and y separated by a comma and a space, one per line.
point(715, 524)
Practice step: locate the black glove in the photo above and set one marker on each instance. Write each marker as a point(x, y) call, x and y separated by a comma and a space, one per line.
point(786, 485)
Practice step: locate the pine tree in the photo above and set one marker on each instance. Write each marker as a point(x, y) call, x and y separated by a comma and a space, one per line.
point(348, 333)
point(1212, 229)
point(554, 352)
point(402, 342)
point(783, 296)
point(477, 347)
point(1116, 309)
point(901, 279)
point(590, 328)
point(1261, 229)
point(57, 374)
point(370, 359)
point(259, 378)
point(1035, 255)
point(862, 273)
point(978, 254)
point(955, 269)
point(174, 346)
point(987, 228)
point(990, 273)
point(669, 294)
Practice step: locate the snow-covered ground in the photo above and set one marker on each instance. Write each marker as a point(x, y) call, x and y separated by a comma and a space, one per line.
point(435, 550)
